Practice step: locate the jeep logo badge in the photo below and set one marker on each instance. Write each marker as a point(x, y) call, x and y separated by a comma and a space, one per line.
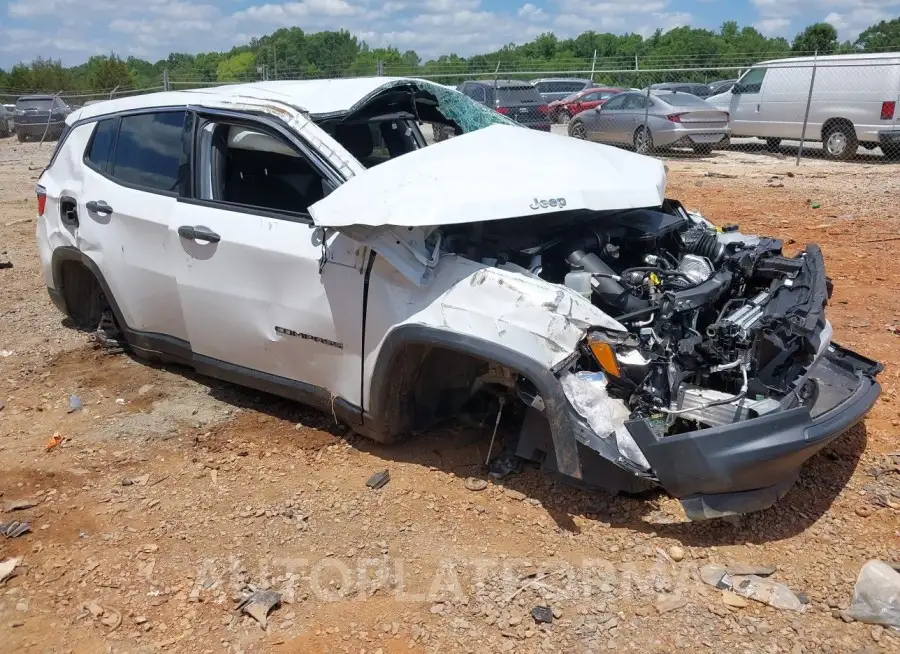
point(548, 204)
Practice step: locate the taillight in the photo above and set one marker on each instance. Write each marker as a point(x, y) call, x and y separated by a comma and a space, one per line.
point(503, 110)
point(887, 110)
point(543, 110)
point(41, 199)
point(675, 118)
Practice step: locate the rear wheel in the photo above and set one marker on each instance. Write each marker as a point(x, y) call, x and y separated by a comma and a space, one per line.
point(643, 141)
point(773, 144)
point(21, 136)
point(703, 148)
point(577, 130)
point(839, 141)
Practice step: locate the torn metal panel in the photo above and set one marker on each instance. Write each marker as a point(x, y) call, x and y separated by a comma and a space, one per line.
point(543, 321)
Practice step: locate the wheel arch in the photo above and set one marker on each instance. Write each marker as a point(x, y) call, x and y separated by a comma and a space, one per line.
point(405, 347)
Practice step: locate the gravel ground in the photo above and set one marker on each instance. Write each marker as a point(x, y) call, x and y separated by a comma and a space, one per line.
point(173, 495)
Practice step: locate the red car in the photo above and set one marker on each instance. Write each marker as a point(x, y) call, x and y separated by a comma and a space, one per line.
point(562, 110)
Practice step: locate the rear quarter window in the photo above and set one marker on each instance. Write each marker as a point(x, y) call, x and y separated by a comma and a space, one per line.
point(100, 145)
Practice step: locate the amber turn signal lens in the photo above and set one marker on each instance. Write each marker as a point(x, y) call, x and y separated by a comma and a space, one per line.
point(605, 356)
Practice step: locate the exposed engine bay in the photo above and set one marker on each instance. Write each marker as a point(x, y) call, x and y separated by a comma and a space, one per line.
point(720, 327)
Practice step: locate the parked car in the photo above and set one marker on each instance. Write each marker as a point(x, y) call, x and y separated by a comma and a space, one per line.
point(6, 122)
point(671, 120)
point(40, 116)
point(518, 100)
point(557, 88)
point(700, 90)
point(561, 111)
point(854, 102)
point(247, 233)
point(715, 88)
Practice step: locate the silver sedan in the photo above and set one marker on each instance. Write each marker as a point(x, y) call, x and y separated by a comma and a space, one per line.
point(670, 120)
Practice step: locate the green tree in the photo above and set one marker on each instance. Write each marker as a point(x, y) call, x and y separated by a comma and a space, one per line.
point(883, 36)
point(819, 37)
point(240, 67)
point(105, 73)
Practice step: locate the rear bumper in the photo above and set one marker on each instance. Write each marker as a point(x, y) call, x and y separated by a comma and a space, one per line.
point(748, 466)
point(32, 129)
point(891, 138)
point(682, 140)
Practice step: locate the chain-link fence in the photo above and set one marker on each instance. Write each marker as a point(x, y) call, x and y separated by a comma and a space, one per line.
point(841, 108)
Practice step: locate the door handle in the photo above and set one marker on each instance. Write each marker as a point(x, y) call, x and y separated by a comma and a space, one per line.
point(198, 234)
point(99, 206)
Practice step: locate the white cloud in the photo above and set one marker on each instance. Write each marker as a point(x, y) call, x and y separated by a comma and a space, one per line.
point(772, 26)
point(529, 12)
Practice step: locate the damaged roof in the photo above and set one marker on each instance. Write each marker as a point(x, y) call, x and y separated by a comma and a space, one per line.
point(316, 97)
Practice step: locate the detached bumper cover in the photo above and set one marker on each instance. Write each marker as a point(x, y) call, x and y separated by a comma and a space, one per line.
point(748, 466)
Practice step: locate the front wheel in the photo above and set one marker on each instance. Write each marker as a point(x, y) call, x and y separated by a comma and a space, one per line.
point(840, 142)
point(643, 141)
point(578, 131)
point(703, 148)
point(21, 136)
point(564, 117)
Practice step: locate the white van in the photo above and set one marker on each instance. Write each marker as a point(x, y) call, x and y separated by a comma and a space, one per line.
point(854, 102)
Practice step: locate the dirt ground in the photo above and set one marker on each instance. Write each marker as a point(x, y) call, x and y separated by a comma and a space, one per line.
point(172, 494)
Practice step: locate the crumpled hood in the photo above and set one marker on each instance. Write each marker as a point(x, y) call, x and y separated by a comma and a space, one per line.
point(494, 173)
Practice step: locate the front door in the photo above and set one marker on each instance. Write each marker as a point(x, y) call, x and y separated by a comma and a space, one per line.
point(270, 301)
point(746, 104)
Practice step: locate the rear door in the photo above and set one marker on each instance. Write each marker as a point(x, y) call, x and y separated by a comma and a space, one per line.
point(132, 175)
point(607, 124)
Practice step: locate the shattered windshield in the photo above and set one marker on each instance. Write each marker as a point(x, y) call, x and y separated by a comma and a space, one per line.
point(451, 105)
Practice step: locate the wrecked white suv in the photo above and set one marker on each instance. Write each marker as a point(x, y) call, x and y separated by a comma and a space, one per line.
point(300, 238)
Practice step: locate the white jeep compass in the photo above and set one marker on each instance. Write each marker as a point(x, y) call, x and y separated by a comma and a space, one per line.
point(301, 239)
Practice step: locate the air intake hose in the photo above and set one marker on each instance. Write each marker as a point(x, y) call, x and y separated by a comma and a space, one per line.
point(609, 291)
point(703, 243)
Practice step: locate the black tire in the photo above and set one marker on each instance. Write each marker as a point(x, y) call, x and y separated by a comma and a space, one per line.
point(643, 141)
point(21, 136)
point(839, 141)
point(563, 117)
point(703, 148)
point(773, 144)
point(577, 130)
point(891, 151)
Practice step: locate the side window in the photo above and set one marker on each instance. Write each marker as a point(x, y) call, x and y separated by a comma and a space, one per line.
point(752, 81)
point(616, 103)
point(148, 150)
point(257, 169)
point(590, 97)
point(478, 94)
point(636, 102)
point(100, 145)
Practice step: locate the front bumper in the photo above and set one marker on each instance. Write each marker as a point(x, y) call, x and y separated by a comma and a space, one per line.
point(748, 466)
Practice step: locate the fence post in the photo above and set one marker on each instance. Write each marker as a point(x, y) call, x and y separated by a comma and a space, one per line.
point(812, 81)
point(379, 68)
point(113, 92)
point(593, 65)
point(165, 79)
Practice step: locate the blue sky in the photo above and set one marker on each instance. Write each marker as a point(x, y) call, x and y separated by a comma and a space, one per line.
point(73, 30)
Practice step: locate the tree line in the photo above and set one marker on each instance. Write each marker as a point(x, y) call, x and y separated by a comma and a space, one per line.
point(291, 53)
